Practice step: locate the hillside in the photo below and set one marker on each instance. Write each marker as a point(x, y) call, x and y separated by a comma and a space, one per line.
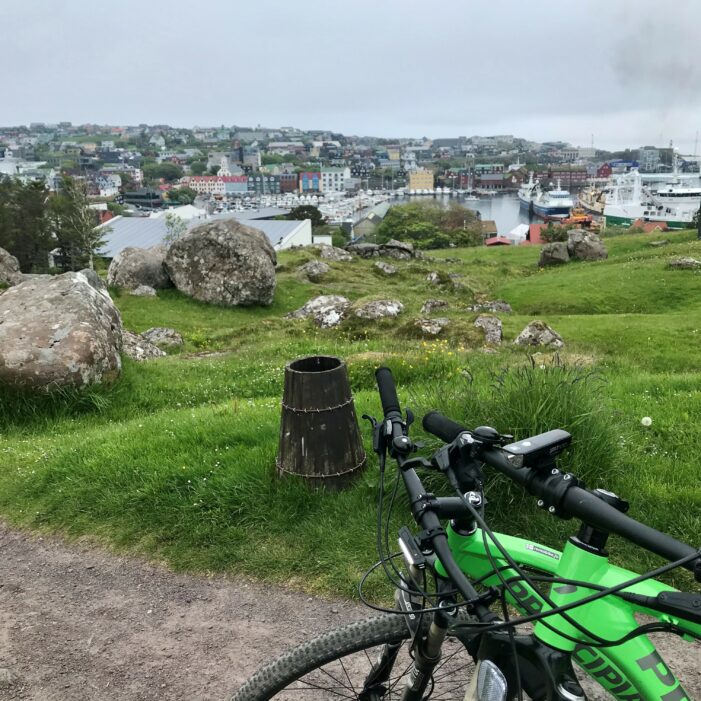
point(177, 460)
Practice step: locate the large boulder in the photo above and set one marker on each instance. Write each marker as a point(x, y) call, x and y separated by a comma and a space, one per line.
point(9, 269)
point(58, 331)
point(364, 250)
point(554, 253)
point(399, 250)
point(585, 245)
point(133, 267)
point(224, 262)
point(379, 308)
point(326, 310)
point(538, 333)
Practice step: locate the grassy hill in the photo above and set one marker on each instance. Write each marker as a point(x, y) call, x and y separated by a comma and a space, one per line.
point(177, 460)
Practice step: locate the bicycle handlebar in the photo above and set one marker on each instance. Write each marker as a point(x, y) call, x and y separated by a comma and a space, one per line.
point(574, 501)
point(388, 393)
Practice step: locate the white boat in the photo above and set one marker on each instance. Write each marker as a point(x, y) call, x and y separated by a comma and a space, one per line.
point(629, 200)
point(551, 204)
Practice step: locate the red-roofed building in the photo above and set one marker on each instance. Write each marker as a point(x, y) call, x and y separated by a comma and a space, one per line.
point(649, 226)
point(497, 241)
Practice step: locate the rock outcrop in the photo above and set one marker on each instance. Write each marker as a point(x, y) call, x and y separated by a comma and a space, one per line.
point(315, 270)
point(136, 347)
point(496, 305)
point(538, 333)
point(385, 268)
point(326, 310)
point(163, 336)
point(143, 291)
point(133, 267)
point(335, 254)
point(223, 262)
point(9, 269)
point(58, 331)
point(492, 328)
point(431, 327)
point(379, 308)
point(684, 263)
point(399, 250)
point(430, 305)
point(364, 250)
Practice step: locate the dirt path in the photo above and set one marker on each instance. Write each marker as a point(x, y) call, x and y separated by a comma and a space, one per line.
point(77, 623)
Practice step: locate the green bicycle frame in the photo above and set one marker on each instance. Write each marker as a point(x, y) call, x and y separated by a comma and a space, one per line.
point(633, 671)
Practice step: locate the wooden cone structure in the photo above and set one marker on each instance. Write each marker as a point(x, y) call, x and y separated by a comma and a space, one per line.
point(319, 435)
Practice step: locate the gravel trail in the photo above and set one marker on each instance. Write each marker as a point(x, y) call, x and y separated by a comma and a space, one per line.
point(79, 623)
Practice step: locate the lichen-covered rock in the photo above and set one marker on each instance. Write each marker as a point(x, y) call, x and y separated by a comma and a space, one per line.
point(431, 327)
point(585, 245)
point(538, 333)
point(95, 280)
point(659, 244)
point(379, 308)
point(136, 347)
point(492, 328)
point(496, 305)
point(399, 250)
point(315, 270)
point(684, 263)
point(143, 291)
point(434, 278)
point(10, 273)
point(133, 266)
point(335, 254)
point(431, 304)
point(163, 336)
point(385, 268)
point(58, 331)
point(224, 262)
point(364, 250)
point(326, 310)
point(555, 253)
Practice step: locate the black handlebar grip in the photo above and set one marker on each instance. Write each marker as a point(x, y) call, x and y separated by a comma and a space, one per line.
point(441, 426)
point(388, 392)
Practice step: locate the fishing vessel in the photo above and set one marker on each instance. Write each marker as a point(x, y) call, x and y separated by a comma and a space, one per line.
point(629, 199)
point(551, 204)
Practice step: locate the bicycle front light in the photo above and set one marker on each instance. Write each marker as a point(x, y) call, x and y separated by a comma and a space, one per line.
point(488, 683)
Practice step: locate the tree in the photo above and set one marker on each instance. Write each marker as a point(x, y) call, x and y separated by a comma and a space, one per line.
point(170, 172)
point(429, 225)
point(183, 195)
point(176, 228)
point(24, 227)
point(74, 225)
point(306, 211)
point(697, 223)
point(198, 167)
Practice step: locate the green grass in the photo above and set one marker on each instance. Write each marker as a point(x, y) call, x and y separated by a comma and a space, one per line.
point(176, 461)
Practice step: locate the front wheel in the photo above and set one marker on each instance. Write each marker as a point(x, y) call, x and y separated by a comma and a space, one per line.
point(369, 660)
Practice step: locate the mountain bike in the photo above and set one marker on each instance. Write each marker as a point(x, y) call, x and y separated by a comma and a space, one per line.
point(452, 634)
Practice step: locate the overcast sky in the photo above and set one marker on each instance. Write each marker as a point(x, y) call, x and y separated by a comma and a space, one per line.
point(626, 71)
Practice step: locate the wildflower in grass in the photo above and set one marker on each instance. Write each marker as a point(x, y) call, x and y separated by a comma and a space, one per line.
point(646, 421)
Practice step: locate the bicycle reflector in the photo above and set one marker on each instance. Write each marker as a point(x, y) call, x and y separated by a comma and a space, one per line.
point(488, 683)
point(539, 451)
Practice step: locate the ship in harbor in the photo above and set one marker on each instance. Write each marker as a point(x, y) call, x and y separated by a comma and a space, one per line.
point(548, 204)
point(628, 200)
